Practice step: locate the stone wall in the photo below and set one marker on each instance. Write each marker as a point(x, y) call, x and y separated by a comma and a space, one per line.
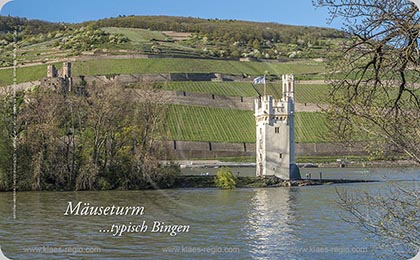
point(329, 149)
point(196, 150)
point(140, 78)
point(211, 100)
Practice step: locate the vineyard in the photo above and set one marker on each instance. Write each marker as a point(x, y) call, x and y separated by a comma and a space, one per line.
point(166, 65)
point(194, 123)
point(136, 35)
point(238, 89)
point(181, 65)
point(316, 94)
point(311, 128)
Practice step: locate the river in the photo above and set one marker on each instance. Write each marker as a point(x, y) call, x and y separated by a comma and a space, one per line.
point(275, 223)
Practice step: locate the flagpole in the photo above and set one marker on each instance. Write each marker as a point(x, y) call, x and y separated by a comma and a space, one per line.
point(265, 87)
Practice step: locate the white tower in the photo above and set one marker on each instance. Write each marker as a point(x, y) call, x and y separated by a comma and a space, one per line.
point(275, 120)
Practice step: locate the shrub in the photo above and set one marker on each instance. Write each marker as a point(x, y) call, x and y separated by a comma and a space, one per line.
point(225, 179)
point(166, 176)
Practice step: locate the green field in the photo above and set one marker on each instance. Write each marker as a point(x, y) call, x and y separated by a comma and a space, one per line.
point(181, 65)
point(136, 35)
point(311, 128)
point(152, 42)
point(315, 94)
point(238, 89)
point(166, 65)
point(194, 123)
point(24, 74)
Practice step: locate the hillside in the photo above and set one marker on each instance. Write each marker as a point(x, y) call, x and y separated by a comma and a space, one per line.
point(125, 65)
point(42, 42)
point(175, 51)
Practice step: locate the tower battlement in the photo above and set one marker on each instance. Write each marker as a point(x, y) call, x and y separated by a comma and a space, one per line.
point(275, 126)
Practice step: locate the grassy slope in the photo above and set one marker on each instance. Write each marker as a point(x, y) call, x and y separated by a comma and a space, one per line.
point(166, 65)
point(238, 89)
point(136, 35)
point(316, 94)
point(194, 123)
point(170, 65)
point(24, 74)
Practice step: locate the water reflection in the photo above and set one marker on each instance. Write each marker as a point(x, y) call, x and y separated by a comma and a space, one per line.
point(271, 221)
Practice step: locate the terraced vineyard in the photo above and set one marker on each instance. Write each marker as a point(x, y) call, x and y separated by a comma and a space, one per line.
point(316, 94)
point(194, 123)
point(167, 65)
point(238, 89)
point(311, 128)
point(155, 42)
point(136, 35)
point(180, 65)
point(273, 89)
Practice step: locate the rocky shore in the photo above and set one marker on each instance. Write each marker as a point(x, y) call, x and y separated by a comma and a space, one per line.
point(194, 181)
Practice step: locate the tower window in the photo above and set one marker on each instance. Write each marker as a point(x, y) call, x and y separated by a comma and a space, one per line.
point(281, 155)
point(277, 130)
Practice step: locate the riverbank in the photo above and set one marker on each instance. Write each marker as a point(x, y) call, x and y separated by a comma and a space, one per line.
point(337, 164)
point(194, 181)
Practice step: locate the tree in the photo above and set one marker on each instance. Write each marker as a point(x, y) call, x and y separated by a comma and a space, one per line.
point(390, 217)
point(374, 77)
point(375, 91)
point(41, 116)
point(256, 44)
point(101, 136)
point(148, 149)
point(225, 179)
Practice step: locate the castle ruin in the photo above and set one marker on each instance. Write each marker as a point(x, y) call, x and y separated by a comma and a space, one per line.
point(59, 79)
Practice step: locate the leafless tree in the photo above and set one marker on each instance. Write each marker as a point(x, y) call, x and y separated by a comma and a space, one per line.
point(375, 91)
point(374, 76)
point(390, 217)
point(150, 117)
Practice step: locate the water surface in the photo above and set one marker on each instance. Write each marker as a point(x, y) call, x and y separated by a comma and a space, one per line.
point(275, 223)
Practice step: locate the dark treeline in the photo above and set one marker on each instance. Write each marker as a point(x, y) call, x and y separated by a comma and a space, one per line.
point(25, 26)
point(99, 138)
point(227, 30)
point(215, 29)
